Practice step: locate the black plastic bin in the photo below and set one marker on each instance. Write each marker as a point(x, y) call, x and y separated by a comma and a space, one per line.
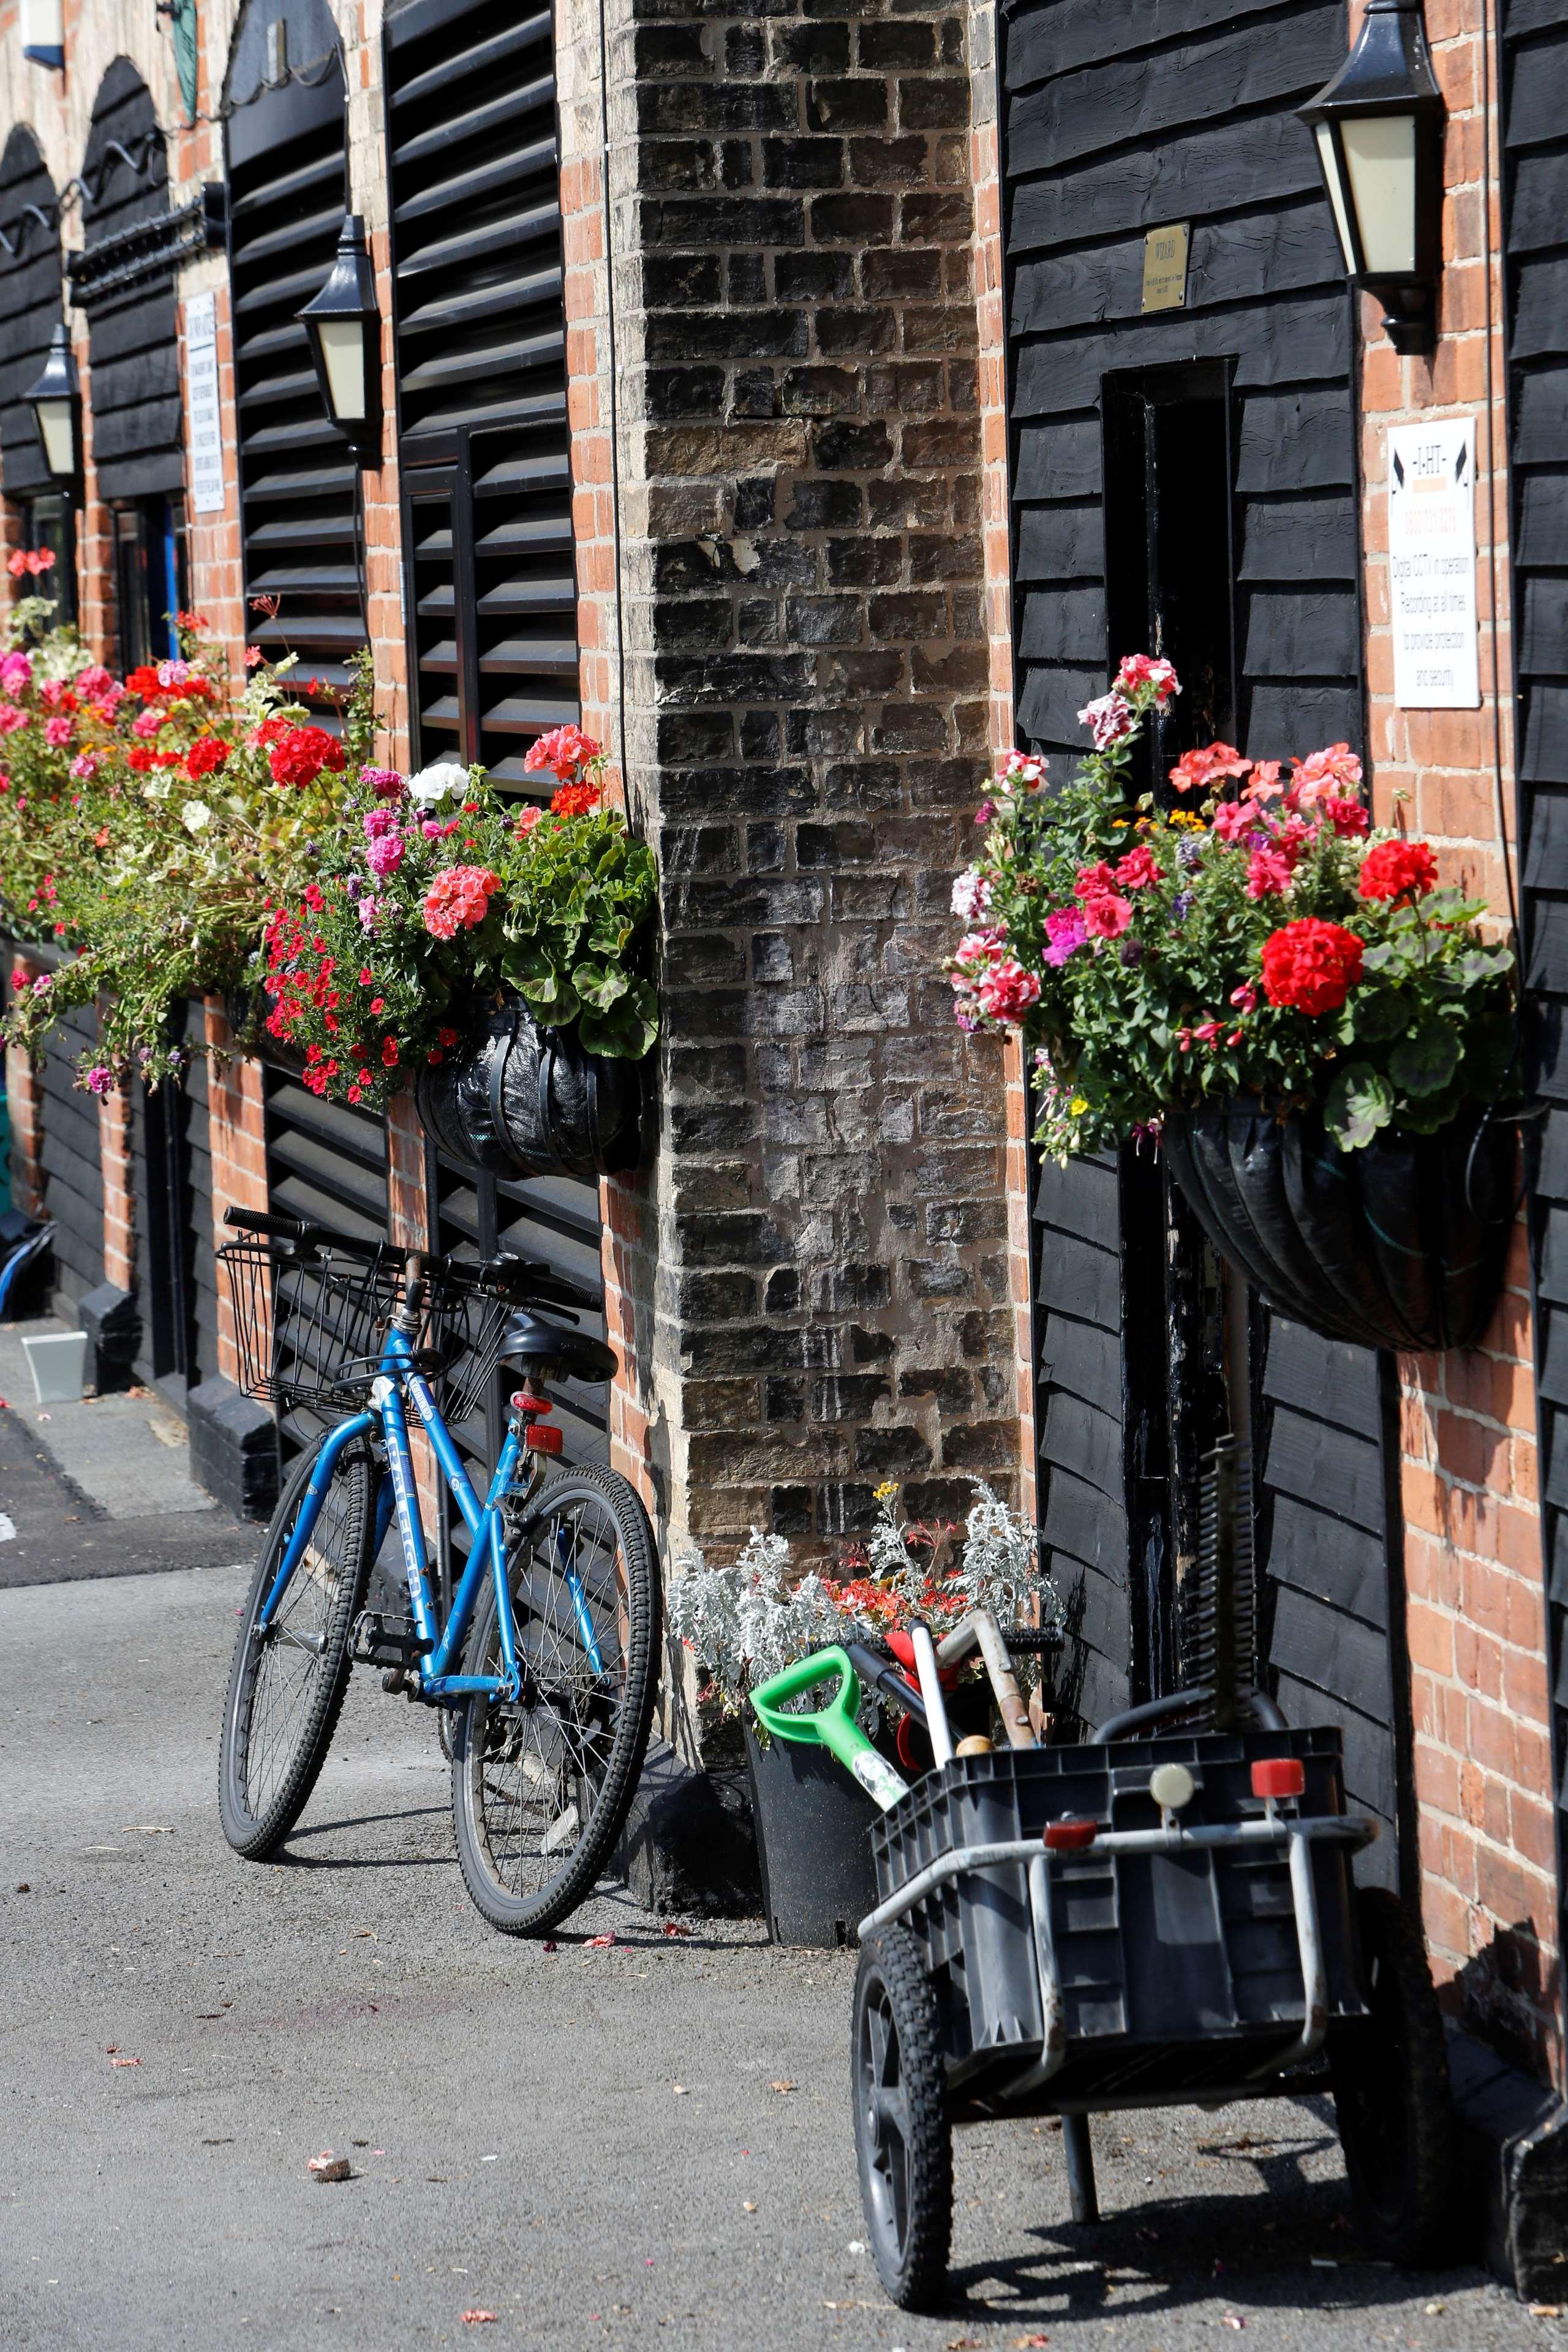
point(814, 1842)
point(1177, 1970)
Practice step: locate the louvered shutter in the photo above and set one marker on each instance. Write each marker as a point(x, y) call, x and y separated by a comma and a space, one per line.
point(31, 305)
point(134, 371)
point(481, 372)
point(72, 1161)
point(299, 485)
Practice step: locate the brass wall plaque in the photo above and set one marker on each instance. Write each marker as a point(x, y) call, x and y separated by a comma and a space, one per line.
point(1165, 268)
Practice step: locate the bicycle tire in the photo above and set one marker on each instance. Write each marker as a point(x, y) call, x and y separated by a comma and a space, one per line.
point(260, 1800)
point(556, 1734)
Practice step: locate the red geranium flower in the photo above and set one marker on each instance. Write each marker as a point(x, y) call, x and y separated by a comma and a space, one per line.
point(299, 755)
point(1399, 869)
point(563, 750)
point(574, 800)
point(207, 752)
point(459, 897)
point(1195, 770)
point(1311, 965)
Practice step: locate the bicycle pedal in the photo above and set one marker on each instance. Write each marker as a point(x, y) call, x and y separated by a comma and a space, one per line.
point(382, 1641)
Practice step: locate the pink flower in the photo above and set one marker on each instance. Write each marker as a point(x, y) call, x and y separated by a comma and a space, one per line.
point(1348, 817)
point(1234, 820)
point(1147, 670)
point(1267, 871)
point(173, 673)
point(459, 897)
point(981, 947)
point(1094, 880)
point(52, 693)
point(984, 813)
point(1106, 916)
point(148, 723)
point(367, 906)
point(384, 854)
point(1246, 997)
point(1007, 990)
point(431, 830)
point(563, 752)
point(254, 656)
point(57, 733)
point(531, 815)
point(11, 719)
point(1110, 720)
point(1264, 783)
point(378, 822)
point(1139, 868)
point(971, 894)
point(16, 674)
point(1067, 932)
point(384, 782)
point(100, 1079)
point(93, 683)
point(1321, 772)
point(84, 766)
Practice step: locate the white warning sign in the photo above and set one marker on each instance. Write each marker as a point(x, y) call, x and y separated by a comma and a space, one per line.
point(1432, 564)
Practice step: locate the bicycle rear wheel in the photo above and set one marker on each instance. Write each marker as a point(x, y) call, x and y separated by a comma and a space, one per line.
point(286, 1686)
point(541, 1787)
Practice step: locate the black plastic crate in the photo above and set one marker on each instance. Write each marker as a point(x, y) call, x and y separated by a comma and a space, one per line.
point(1176, 1969)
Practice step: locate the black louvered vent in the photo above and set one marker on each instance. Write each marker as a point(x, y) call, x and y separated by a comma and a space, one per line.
point(299, 484)
point(172, 1193)
point(327, 1162)
point(30, 304)
point(73, 1166)
point(481, 348)
point(136, 438)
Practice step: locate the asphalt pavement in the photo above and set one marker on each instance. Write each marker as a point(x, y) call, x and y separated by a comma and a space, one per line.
point(639, 2143)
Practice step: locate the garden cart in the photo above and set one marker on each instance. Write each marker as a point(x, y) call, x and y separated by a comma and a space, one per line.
point(1157, 1917)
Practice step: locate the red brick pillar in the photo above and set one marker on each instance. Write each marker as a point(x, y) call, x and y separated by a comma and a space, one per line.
point(237, 1139)
point(119, 1205)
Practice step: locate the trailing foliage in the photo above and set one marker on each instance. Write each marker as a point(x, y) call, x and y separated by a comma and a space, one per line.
point(1264, 941)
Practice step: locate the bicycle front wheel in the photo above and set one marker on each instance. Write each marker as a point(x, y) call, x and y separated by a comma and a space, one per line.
point(541, 1786)
point(286, 1685)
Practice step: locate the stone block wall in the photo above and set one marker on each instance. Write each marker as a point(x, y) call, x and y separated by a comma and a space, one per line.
point(823, 1248)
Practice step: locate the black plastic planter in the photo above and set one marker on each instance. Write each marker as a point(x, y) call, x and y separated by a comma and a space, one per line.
point(515, 1100)
point(1400, 1245)
point(814, 1842)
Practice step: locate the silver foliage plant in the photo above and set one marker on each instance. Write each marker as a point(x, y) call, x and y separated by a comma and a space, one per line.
point(744, 1623)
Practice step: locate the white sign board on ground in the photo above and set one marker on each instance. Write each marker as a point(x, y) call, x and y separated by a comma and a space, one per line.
point(1432, 564)
point(204, 423)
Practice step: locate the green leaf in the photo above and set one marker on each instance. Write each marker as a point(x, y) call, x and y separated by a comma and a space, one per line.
point(599, 985)
point(1423, 1065)
point(628, 1030)
point(1360, 1103)
point(1380, 1013)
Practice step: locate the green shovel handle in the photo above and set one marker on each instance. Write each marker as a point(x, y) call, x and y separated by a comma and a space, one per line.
point(832, 1726)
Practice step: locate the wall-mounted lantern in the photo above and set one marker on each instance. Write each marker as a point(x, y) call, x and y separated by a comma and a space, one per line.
point(53, 399)
point(1379, 129)
point(344, 328)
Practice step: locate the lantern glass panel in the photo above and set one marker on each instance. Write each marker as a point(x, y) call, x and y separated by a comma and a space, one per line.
point(1380, 161)
point(1328, 156)
point(343, 355)
point(55, 424)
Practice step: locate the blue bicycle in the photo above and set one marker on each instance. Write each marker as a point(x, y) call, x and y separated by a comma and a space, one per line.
point(544, 1642)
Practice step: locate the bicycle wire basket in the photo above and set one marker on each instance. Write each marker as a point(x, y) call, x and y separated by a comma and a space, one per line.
point(310, 1329)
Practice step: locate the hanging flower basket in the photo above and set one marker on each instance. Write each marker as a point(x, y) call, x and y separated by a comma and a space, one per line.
point(1400, 1243)
point(515, 1100)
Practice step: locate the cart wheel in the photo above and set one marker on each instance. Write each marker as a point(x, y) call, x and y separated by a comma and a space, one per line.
point(1392, 2098)
point(901, 2141)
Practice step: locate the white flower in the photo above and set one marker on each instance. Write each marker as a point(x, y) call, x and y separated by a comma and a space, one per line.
point(433, 784)
point(971, 894)
point(194, 815)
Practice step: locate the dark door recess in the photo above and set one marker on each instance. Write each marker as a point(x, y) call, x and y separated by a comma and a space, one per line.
point(1185, 481)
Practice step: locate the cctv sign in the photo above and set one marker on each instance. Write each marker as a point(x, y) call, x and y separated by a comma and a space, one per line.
point(1432, 564)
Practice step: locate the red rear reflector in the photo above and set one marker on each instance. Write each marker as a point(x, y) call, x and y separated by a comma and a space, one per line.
point(1070, 1837)
point(1279, 1776)
point(545, 1441)
point(531, 1407)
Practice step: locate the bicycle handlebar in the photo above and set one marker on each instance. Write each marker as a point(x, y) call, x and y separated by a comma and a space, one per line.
point(301, 1231)
point(527, 1281)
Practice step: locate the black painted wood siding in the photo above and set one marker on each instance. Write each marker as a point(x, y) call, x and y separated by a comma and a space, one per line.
point(1119, 118)
point(72, 1161)
point(31, 305)
point(134, 383)
point(1535, 214)
point(288, 168)
point(481, 374)
point(327, 1161)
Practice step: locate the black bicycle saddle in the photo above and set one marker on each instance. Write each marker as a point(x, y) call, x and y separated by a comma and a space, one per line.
point(531, 1343)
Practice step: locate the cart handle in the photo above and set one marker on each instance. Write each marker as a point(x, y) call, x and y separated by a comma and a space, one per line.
point(832, 1726)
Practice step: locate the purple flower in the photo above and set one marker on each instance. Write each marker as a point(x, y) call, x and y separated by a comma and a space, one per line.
point(984, 813)
point(1188, 854)
point(1132, 952)
point(100, 1078)
point(386, 855)
point(1181, 905)
point(367, 914)
point(1067, 932)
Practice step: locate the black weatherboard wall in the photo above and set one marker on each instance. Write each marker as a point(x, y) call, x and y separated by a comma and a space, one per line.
point(1118, 119)
point(489, 583)
point(287, 172)
point(1535, 214)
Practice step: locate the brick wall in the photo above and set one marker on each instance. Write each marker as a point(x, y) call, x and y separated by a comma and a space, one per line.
point(1473, 1562)
point(24, 1099)
point(807, 676)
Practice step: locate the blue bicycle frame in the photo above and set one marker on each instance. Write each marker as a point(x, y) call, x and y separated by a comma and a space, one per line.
point(395, 1374)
